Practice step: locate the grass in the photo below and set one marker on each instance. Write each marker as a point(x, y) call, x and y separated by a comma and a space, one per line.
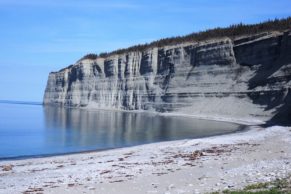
point(257, 186)
point(279, 186)
point(269, 191)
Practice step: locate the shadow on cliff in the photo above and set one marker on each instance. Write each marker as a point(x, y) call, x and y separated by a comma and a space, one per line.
point(279, 98)
point(283, 114)
point(282, 57)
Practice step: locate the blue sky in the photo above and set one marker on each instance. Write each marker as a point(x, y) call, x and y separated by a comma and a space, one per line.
point(39, 36)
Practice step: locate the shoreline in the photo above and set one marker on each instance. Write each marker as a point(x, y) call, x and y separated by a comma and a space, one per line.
point(17, 158)
point(182, 166)
point(246, 121)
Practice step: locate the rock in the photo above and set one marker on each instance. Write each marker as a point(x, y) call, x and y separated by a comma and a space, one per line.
point(245, 77)
point(7, 167)
point(196, 191)
point(171, 186)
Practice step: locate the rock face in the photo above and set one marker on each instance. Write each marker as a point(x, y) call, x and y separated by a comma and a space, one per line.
point(244, 78)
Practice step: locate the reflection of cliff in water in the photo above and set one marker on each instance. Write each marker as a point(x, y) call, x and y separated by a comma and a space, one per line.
point(107, 129)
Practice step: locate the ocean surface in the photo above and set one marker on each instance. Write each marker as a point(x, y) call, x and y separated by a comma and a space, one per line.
point(32, 130)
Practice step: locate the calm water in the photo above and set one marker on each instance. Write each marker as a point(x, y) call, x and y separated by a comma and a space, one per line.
point(34, 130)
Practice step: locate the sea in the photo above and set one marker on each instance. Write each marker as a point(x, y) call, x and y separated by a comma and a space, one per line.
point(30, 130)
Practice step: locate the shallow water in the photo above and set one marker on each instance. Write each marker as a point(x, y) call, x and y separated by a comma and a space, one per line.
point(33, 130)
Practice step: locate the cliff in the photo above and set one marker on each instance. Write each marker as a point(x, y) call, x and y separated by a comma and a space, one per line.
point(247, 77)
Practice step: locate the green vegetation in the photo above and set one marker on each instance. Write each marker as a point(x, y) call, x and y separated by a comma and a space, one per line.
point(257, 186)
point(271, 191)
point(279, 186)
point(90, 56)
point(231, 32)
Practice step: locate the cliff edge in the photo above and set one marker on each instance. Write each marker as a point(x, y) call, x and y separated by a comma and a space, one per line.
point(245, 78)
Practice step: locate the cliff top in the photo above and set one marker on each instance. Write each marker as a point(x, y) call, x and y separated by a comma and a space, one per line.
point(232, 32)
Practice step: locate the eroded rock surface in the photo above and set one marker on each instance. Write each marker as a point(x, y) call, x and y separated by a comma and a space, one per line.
point(244, 78)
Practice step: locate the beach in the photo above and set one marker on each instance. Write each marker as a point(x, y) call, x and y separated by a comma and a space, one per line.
point(204, 165)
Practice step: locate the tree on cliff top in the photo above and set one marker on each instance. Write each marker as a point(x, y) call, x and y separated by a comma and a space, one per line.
point(90, 56)
point(232, 31)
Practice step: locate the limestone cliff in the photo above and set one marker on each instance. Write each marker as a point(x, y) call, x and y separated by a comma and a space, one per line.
point(248, 77)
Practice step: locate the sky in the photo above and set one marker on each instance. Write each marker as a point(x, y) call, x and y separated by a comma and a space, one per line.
point(40, 36)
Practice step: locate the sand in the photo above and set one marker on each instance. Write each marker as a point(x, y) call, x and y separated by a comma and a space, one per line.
point(186, 166)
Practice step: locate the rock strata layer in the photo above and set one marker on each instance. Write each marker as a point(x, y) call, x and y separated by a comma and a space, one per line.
point(248, 77)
